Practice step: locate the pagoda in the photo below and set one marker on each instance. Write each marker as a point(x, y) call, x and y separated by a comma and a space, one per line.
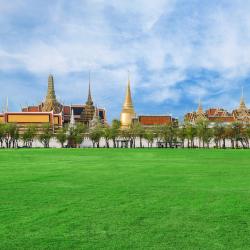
point(128, 113)
point(51, 103)
point(89, 110)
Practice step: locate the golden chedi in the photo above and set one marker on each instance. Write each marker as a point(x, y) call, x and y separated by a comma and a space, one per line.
point(128, 112)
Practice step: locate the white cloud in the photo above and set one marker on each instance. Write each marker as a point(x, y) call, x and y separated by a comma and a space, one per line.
point(161, 42)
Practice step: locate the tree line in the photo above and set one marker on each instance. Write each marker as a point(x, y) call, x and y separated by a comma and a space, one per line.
point(200, 135)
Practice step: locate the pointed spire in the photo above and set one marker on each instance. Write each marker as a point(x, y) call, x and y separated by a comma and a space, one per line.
point(242, 101)
point(200, 110)
point(7, 104)
point(50, 102)
point(51, 88)
point(128, 112)
point(128, 99)
point(89, 101)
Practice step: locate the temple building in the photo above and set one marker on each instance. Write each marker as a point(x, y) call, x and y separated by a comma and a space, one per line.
point(48, 112)
point(24, 119)
point(215, 115)
point(85, 112)
point(82, 112)
point(242, 113)
point(128, 113)
point(50, 103)
point(150, 121)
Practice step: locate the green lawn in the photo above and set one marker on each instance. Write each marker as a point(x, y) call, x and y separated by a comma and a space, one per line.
point(124, 199)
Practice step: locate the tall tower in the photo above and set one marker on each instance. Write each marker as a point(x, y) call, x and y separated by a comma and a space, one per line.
point(89, 110)
point(51, 104)
point(242, 101)
point(199, 110)
point(128, 112)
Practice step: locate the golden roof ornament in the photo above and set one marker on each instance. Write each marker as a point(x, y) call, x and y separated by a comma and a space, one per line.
point(200, 110)
point(128, 112)
point(242, 101)
point(51, 103)
point(89, 100)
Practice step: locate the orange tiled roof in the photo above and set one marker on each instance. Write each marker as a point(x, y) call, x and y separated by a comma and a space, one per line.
point(66, 110)
point(155, 120)
point(221, 119)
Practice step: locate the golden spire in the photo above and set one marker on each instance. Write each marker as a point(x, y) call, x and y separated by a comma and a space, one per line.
point(128, 112)
point(128, 100)
point(242, 101)
point(200, 110)
point(89, 100)
point(51, 104)
point(51, 89)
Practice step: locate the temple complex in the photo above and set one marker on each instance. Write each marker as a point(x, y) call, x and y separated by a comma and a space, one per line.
point(82, 112)
point(50, 103)
point(214, 115)
point(242, 113)
point(128, 113)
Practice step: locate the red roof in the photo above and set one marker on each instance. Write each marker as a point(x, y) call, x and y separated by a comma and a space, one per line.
point(221, 119)
point(66, 110)
point(31, 109)
point(155, 120)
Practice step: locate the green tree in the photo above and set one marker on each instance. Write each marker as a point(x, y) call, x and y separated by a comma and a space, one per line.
point(80, 130)
point(139, 132)
point(95, 135)
point(45, 135)
point(107, 134)
point(2, 134)
point(11, 135)
point(114, 132)
point(182, 134)
point(29, 135)
point(237, 132)
point(191, 134)
point(61, 136)
point(127, 137)
point(149, 137)
point(219, 135)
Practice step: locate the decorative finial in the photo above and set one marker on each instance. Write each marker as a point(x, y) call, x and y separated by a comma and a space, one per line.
point(89, 100)
point(7, 104)
point(242, 101)
point(200, 110)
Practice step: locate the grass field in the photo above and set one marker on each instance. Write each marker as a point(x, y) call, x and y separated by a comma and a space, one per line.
point(124, 199)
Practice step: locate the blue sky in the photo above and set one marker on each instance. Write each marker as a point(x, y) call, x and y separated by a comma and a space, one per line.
point(176, 50)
